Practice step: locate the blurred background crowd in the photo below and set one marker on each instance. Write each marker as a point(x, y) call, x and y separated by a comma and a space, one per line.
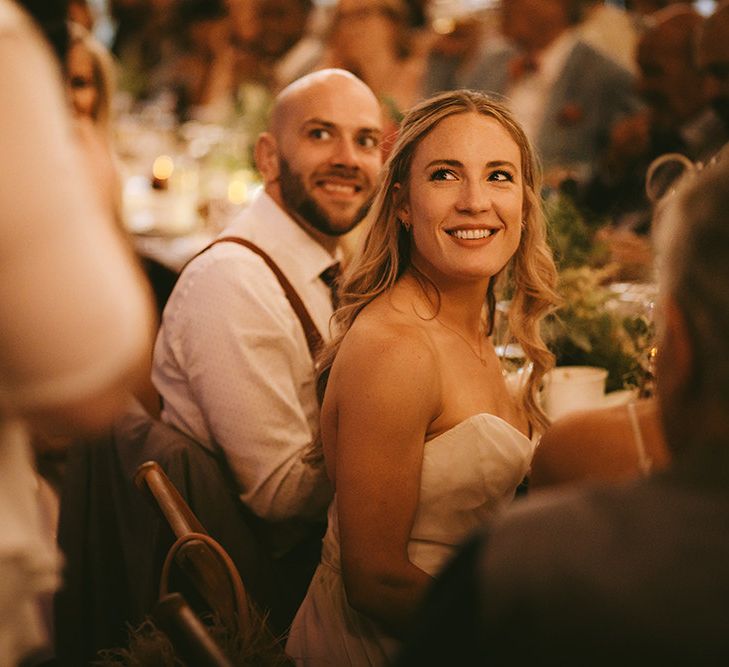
point(603, 88)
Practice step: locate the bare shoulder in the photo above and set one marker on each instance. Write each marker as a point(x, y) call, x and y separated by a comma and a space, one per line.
point(387, 350)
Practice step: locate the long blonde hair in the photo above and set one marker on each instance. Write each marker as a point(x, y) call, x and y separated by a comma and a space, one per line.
point(385, 253)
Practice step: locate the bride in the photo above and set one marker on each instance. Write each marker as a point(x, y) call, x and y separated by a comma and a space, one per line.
point(421, 437)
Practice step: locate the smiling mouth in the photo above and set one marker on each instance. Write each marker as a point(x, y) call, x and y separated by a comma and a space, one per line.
point(471, 234)
point(345, 189)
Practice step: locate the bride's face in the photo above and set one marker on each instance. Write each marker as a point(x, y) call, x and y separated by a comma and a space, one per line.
point(465, 198)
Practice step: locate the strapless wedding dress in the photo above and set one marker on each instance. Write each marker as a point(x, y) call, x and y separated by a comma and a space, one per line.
point(469, 473)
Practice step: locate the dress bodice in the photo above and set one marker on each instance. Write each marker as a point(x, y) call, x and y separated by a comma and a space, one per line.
point(469, 472)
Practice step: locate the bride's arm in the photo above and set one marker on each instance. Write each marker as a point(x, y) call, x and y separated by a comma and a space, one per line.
point(387, 393)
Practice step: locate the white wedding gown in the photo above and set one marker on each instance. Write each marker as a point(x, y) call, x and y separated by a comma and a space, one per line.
point(469, 472)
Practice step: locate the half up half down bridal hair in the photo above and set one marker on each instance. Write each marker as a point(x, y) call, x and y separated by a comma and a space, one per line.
point(385, 253)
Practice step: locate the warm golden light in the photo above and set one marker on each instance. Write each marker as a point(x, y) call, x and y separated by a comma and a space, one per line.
point(163, 167)
point(238, 188)
point(443, 25)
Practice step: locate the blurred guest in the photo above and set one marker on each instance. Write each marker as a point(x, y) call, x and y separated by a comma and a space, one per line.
point(609, 444)
point(282, 23)
point(75, 319)
point(417, 418)
point(233, 359)
point(676, 120)
point(644, 8)
point(144, 40)
point(634, 573)
point(90, 77)
point(713, 60)
point(275, 40)
point(201, 71)
point(566, 94)
point(611, 30)
point(294, 28)
point(458, 48)
point(90, 85)
point(79, 12)
point(278, 40)
point(374, 40)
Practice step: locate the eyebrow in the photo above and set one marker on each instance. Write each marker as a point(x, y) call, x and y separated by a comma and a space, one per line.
point(458, 163)
point(328, 124)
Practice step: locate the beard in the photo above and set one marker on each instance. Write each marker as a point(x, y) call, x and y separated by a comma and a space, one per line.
point(298, 200)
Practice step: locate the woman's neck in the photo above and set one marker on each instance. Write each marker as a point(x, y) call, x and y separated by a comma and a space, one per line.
point(455, 303)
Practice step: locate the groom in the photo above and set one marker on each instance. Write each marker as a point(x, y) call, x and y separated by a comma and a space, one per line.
point(234, 358)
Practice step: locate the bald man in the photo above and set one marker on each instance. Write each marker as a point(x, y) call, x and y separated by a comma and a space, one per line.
point(232, 362)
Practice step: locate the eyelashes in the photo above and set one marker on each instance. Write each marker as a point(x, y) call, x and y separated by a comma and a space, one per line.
point(444, 174)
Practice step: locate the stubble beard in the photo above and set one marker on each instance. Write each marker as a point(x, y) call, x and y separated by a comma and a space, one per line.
point(297, 200)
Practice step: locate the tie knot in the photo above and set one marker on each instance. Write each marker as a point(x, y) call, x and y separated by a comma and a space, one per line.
point(330, 277)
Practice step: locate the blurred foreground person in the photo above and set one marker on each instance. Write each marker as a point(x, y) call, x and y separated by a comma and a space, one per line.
point(75, 319)
point(632, 574)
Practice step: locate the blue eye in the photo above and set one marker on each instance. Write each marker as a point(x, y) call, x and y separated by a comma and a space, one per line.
point(443, 175)
point(501, 176)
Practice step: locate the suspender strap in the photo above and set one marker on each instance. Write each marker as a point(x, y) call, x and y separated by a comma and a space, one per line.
point(313, 338)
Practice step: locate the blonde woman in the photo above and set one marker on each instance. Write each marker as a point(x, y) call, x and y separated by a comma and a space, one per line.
point(90, 77)
point(421, 438)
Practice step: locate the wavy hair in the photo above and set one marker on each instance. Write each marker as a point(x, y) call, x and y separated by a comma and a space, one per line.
point(385, 254)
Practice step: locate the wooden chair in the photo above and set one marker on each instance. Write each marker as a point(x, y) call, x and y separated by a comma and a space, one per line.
point(202, 560)
point(187, 633)
point(116, 541)
point(214, 576)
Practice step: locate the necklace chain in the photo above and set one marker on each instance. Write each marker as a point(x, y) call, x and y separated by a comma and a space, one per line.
point(476, 352)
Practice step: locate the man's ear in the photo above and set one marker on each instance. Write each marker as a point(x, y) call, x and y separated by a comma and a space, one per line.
point(265, 155)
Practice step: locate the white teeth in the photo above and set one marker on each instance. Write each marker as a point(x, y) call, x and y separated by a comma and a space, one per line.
point(339, 189)
point(471, 233)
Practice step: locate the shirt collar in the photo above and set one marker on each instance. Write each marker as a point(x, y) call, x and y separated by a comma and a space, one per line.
point(552, 59)
point(267, 225)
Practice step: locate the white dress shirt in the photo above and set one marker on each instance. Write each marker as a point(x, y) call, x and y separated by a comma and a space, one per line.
point(232, 364)
point(529, 96)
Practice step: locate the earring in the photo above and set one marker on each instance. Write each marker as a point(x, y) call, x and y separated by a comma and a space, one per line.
point(405, 225)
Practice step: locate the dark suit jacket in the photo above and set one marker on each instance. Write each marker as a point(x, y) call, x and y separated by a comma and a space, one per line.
point(589, 95)
point(625, 575)
point(115, 541)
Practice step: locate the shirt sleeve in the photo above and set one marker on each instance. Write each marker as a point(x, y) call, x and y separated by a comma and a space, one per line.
point(232, 355)
point(73, 311)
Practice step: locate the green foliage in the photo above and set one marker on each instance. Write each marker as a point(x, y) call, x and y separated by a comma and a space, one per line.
point(571, 235)
point(588, 330)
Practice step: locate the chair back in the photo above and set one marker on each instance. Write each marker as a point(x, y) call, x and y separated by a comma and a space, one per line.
point(203, 561)
point(115, 542)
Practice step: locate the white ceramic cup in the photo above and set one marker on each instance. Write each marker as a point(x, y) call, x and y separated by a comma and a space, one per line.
point(570, 388)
